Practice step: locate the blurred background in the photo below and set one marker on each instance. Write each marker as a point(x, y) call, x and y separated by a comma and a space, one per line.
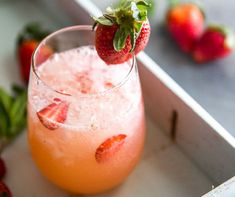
point(212, 84)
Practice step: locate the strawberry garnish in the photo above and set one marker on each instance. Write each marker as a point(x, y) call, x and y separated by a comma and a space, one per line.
point(185, 22)
point(2, 168)
point(53, 114)
point(28, 40)
point(122, 31)
point(216, 42)
point(109, 148)
point(4, 190)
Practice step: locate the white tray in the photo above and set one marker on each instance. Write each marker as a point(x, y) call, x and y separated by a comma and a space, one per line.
point(186, 153)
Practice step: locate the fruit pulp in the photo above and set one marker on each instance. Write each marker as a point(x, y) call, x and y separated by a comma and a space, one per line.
point(102, 134)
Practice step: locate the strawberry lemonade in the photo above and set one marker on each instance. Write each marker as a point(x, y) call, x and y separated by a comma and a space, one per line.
point(85, 119)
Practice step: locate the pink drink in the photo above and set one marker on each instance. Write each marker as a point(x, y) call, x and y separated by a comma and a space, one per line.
point(102, 137)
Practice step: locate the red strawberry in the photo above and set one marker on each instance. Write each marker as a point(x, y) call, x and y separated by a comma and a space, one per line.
point(25, 52)
point(104, 45)
point(143, 38)
point(2, 168)
point(53, 114)
point(122, 31)
point(216, 42)
point(109, 147)
point(185, 23)
point(4, 190)
point(28, 40)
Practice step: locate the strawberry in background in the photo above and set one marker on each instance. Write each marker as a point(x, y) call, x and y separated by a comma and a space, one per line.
point(27, 42)
point(216, 42)
point(185, 23)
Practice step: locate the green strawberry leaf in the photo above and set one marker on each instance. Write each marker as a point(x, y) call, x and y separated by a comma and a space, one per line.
point(17, 112)
point(143, 15)
point(143, 4)
point(120, 37)
point(133, 36)
point(5, 105)
point(32, 31)
point(5, 99)
point(137, 27)
point(12, 114)
point(230, 41)
point(229, 38)
point(17, 89)
point(4, 121)
point(103, 21)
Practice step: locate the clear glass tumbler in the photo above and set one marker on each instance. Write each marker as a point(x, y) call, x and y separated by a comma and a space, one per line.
point(86, 125)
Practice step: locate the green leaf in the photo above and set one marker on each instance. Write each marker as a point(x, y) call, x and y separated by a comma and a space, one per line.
point(103, 20)
point(133, 36)
point(134, 33)
point(138, 27)
point(17, 89)
point(143, 4)
point(12, 114)
point(123, 4)
point(5, 99)
point(5, 106)
point(4, 121)
point(230, 39)
point(18, 112)
point(120, 37)
point(34, 31)
point(143, 15)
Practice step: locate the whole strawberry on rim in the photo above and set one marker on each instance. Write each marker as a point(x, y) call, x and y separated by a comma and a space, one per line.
point(122, 31)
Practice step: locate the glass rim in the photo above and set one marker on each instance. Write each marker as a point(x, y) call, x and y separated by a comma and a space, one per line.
point(78, 28)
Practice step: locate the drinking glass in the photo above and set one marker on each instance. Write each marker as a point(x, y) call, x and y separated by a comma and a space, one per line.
point(86, 126)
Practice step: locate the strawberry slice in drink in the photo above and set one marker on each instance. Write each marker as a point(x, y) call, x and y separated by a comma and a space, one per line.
point(109, 147)
point(84, 82)
point(53, 114)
